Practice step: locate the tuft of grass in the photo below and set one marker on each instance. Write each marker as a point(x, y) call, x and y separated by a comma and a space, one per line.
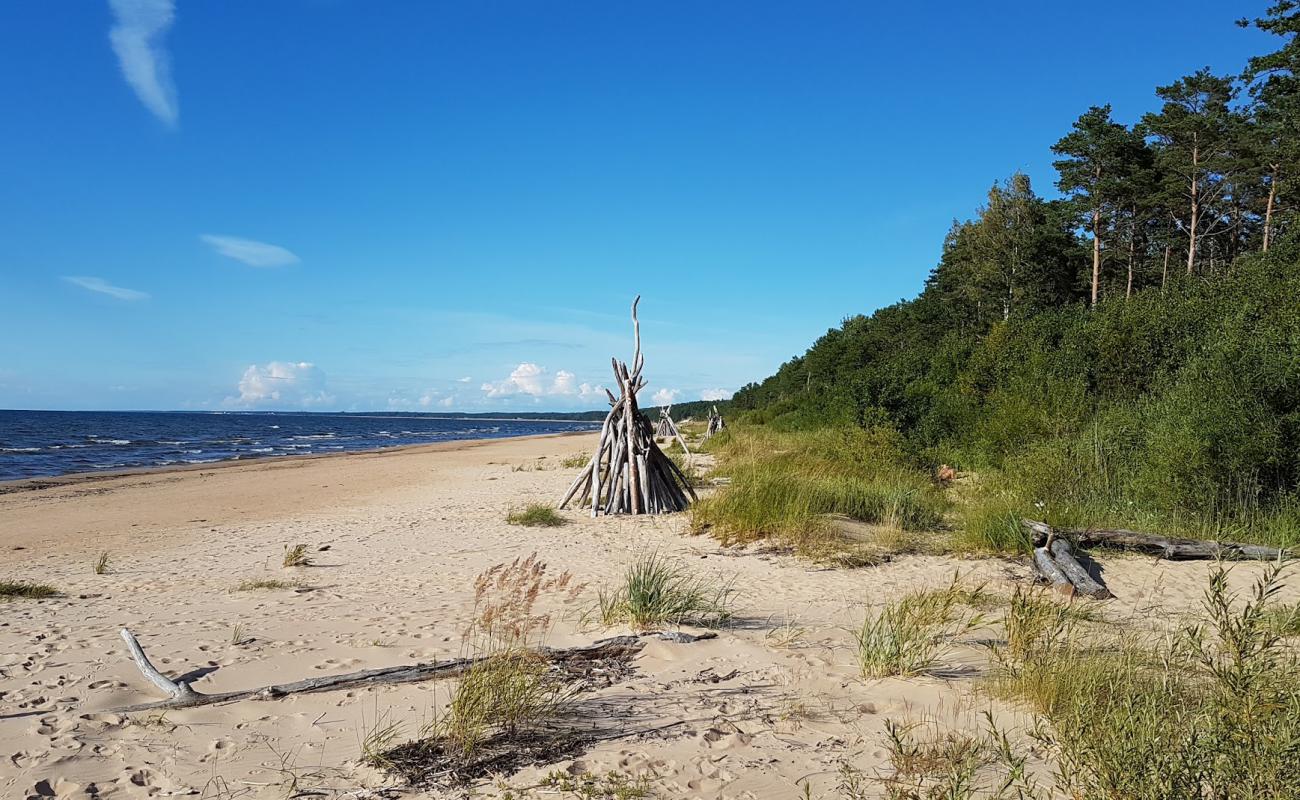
point(511, 690)
point(256, 584)
point(535, 515)
point(908, 636)
point(575, 460)
point(24, 589)
point(378, 740)
point(659, 591)
point(238, 633)
point(100, 565)
point(296, 556)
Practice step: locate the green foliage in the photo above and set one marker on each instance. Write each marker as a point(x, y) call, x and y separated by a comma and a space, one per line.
point(658, 591)
point(1213, 711)
point(784, 484)
point(536, 515)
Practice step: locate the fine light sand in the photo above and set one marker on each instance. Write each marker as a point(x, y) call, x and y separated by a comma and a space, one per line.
point(774, 702)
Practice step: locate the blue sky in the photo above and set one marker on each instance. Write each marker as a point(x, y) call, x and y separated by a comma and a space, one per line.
point(331, 204)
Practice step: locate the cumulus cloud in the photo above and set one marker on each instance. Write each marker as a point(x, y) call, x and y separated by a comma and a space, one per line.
point(136, 36)
point(104, 287)
point(465, 379)
point(447, 401)
point(665, 397)
point(282, 384)
point(249, 251)
point(715, 394)
point(530, 380)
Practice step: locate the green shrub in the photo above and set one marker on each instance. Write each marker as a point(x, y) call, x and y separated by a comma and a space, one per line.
point(536, 515)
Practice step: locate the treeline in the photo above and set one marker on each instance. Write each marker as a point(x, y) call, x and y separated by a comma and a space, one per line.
point(1132, 348)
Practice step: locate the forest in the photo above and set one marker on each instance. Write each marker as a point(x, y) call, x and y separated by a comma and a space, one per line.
point(1128, 353)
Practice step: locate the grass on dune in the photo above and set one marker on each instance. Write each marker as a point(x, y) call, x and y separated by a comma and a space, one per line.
point(784, 485)
point(535, 515)
point(1212, 710)
point(259, 584)
point(657, 591)
point(909, 635)
point(32, 591)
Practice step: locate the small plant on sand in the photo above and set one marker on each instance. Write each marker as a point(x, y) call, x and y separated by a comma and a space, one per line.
point(296, 556)
point(535, 515)
point(34, 591)
point(575, 460)
point(908, 635)
point(101, 563)
point(510, 694)
point(238, 634)
point(258, 584)
point(927, 763)
point(610, 786)
point(658, 591)
point(378, 739)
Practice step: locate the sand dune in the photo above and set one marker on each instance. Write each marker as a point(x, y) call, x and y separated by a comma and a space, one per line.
point(755, 713)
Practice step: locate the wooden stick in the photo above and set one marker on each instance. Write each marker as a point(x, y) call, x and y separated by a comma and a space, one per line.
point(618, 646)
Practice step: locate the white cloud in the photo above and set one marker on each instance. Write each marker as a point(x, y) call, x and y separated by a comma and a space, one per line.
point(588, 392)
point(665, 397)
point(136, 36)
point(282, 384)
point(465, 379)
point(533, 381)
point(104, 287)
point(447, 401)
point(715, 394)
point(251, 252)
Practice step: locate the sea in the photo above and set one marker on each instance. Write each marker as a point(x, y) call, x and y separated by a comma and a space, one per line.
point(47, 443)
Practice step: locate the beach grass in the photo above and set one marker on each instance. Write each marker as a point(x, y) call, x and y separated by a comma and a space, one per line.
point(265, 584)
point(536, 515)
point(659, 591)
point(23, 589)
point(909, 635)
point(101, 564)
point(296, 556)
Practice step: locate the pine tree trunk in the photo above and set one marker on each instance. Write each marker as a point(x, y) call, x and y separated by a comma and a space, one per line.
point(1132, 243)
point(1096, 252)
point(1164, 276)
point(1268, 212)
point(1196, 210)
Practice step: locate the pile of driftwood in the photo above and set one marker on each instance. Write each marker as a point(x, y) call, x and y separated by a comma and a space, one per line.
point(716, 423)
point(628, 473)
point(1056, 563)
point(667, 429)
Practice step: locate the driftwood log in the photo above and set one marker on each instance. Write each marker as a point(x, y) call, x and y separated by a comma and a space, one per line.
point(667, 429)
point(180, 695)
point(1166, 547)
point(1050, 572)
point(628, 473)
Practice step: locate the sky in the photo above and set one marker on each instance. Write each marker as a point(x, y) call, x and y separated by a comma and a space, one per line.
point(449, 206)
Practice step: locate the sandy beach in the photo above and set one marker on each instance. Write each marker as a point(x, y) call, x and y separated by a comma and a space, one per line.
point(772, 703)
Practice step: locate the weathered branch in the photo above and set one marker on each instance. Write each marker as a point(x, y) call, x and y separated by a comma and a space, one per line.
point(1084, 583)
point(182, 696)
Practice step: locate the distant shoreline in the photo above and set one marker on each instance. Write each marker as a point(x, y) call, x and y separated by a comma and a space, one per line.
point(91, 476)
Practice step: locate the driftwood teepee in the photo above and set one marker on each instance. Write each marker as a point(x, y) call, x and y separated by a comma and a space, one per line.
point(628, 473)
point(665, 427)
point(716, 423)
